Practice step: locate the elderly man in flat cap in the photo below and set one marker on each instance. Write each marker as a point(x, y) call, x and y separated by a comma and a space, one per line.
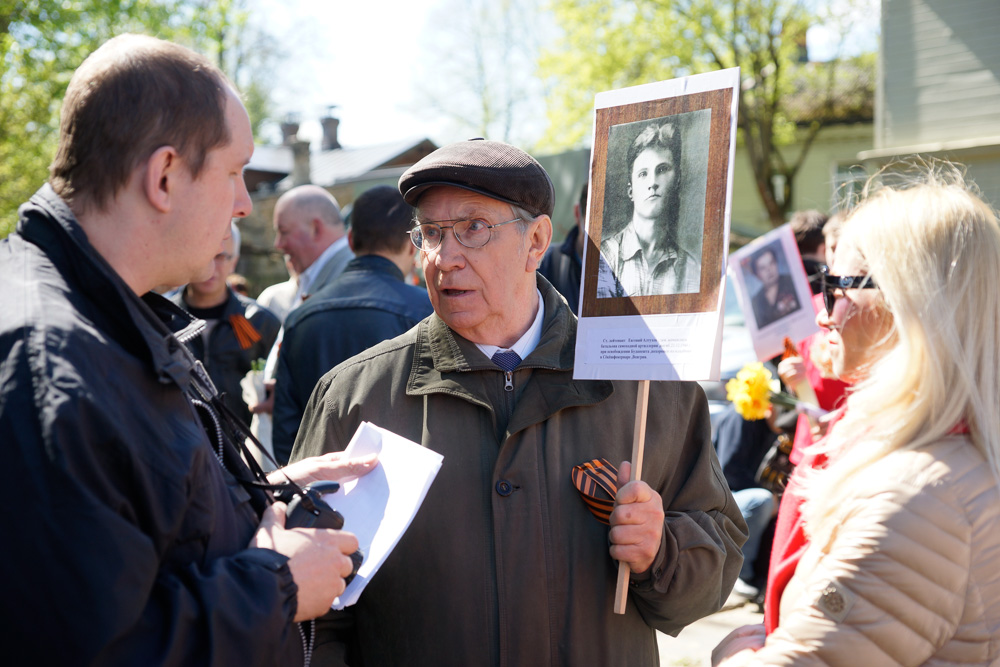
point(505, 563)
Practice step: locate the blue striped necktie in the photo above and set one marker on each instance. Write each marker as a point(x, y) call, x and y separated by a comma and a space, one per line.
point(508, 361)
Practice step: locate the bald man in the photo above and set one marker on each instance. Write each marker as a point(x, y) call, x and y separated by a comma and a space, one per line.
point(309, 231)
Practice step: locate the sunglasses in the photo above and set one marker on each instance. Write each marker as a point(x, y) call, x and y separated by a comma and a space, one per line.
point(830, 284)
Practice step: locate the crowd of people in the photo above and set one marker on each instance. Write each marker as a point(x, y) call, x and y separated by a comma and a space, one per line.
point(147, 528)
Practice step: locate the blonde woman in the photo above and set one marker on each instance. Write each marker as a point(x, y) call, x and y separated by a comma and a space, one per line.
point(903, 524)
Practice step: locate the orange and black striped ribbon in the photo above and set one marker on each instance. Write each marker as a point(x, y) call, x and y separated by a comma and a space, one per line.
point(597, 482)
point(246, 334)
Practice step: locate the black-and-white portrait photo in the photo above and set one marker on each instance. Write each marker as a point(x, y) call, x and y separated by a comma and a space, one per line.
point(654, 206)
point(775, 296)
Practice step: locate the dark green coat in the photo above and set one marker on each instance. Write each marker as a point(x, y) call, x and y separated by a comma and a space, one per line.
point(504, 564)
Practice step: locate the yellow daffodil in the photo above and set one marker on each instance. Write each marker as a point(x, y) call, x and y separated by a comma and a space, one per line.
point(751, 390)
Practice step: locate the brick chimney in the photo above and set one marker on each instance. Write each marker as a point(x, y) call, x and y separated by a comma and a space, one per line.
point(290, 129)
point(330, 124)
point(300, 163)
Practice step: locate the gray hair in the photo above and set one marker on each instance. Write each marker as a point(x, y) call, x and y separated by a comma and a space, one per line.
point(527, 219)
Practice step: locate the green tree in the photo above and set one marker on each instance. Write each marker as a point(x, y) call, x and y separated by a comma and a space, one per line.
point(783, 99)
point(43, 42)
point(226, 31)
point(476, 69)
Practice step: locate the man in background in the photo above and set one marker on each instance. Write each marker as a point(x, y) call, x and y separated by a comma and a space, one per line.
point(280, 297)
point(808, 228)
point(309, 231)
point(563, 264)
point(368, 303)
point(238, 332)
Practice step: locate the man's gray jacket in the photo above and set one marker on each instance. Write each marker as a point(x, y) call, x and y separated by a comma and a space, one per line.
point(504, 565)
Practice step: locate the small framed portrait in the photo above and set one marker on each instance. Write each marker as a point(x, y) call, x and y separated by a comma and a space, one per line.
point(658, 220)
point(773, 291)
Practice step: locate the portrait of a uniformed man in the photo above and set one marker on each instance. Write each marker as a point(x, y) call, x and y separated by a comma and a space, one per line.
point(775, 298)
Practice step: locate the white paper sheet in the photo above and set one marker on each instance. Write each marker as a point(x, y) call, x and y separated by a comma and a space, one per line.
point(379, 506)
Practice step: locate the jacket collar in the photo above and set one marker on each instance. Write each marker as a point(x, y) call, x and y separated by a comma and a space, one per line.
point(441, 357)
point(375, 264)
point(48, 222)
point(232, 304)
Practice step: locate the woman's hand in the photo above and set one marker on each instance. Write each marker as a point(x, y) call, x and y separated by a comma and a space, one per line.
point(792, 371)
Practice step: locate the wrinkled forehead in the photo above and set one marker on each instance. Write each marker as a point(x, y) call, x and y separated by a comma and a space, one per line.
point(446, 202)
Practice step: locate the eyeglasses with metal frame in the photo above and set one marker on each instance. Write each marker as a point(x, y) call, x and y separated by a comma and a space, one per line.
point(472, 233)
point(831, 283)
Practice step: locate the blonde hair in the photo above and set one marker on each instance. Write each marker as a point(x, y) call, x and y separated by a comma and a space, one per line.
point(932, 246)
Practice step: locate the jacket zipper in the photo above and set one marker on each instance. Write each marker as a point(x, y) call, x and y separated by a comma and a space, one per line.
point(508, 377)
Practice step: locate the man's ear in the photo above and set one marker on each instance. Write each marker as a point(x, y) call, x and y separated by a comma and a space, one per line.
point(160, 179)
point(350, 239)
point(317, 227)
point(539, 237)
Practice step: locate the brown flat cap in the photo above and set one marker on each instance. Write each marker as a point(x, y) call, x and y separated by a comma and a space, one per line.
point(491, 168)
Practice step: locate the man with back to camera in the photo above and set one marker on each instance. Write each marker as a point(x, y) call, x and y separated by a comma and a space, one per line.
point(368, 303)
point(137, 537)
point(808, 228)
point(237, 331)
point(504, 564)
point(563, 264)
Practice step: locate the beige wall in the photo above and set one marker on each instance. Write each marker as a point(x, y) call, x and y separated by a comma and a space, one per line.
point(815, 183)
point(939, 74)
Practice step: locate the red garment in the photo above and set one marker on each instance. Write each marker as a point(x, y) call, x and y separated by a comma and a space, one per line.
point(790, 540)
point(829, 392)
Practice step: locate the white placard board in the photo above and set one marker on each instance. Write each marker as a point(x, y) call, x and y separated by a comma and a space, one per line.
point(773, 290)
point(659, 204)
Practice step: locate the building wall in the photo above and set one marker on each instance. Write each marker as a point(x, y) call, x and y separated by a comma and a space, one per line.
point(815, 185)
point(939, 72)
point(939, 87)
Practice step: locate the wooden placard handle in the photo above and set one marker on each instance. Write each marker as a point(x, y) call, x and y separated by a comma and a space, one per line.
point(638, 442)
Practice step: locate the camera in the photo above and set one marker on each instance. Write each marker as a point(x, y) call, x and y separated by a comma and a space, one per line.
point(307, 509)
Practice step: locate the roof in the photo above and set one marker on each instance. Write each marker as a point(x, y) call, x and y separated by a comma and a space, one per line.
point(333, 166)
point(272, 159)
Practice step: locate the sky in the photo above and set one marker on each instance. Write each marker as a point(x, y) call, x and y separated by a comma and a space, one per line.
point(359, 56)
point(363, 57)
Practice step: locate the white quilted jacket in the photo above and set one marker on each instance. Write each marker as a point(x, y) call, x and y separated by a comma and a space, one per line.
point(910, 577)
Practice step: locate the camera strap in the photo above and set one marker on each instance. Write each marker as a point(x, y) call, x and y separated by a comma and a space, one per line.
point(231, 435)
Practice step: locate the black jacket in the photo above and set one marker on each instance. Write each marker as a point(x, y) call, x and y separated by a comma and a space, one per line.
point(230, 353)
point(366, 304)
point(562, 267)
point(124, 539)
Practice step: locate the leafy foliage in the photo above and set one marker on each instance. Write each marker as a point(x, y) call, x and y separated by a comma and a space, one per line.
point(608, 44)
point(43, 42)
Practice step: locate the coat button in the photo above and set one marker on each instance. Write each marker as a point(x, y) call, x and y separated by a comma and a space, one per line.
point(504, 488)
